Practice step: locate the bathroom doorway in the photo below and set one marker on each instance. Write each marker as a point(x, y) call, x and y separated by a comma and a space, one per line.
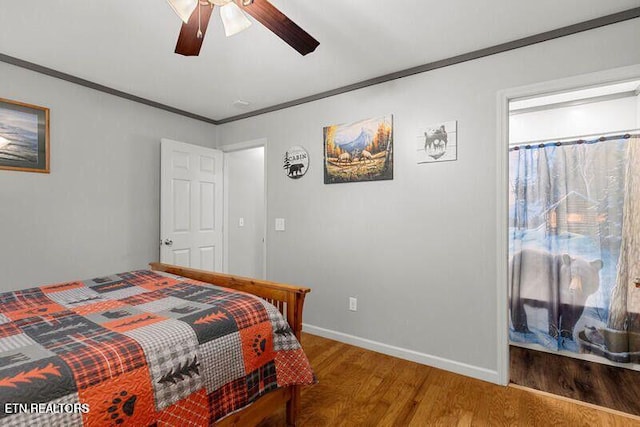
point(570, 261)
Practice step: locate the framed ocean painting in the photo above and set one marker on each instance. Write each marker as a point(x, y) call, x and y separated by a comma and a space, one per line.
point(24, 137)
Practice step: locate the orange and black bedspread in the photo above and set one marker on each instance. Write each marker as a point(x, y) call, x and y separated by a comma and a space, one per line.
point(140, 348)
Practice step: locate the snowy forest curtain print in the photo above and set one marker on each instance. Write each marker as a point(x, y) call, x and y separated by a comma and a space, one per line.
point(574, 246)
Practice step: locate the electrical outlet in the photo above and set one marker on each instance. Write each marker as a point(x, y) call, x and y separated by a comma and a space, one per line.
point(279, 224)
point(353, 304)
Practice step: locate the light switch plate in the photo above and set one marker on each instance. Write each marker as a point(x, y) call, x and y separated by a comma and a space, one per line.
point(279, 224)
point(241, 222)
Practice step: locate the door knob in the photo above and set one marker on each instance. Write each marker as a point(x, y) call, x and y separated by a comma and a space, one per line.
point(168, 242)
point(637, 282)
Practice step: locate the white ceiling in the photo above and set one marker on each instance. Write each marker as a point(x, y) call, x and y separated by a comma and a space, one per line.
point(128, 44)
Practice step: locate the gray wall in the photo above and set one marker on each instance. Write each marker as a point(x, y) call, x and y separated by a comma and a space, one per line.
point(97, 212)
point(418, 251)
point(245, 199)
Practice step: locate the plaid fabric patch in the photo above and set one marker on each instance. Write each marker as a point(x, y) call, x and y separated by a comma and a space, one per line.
point(167, 303)
point(175, 373)
point(143, 298)
point(193, 292)
point(101, 356)
point(246, 311)
point(23, 300)
point(141, 277)
point(261, 381)
point(9, 329)
point(93, 352)
point(76, 297)
point(229, 398)
point(221, 361)
point(163, 334)
point(124, 292)
point(171, 348)
point(61, 287)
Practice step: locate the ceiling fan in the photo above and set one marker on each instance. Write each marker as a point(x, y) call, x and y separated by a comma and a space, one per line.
point(196, 13)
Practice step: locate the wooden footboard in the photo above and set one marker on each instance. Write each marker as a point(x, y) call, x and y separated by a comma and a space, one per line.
point(290, 301)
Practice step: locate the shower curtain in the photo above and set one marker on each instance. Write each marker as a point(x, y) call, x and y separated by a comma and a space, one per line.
point(574, 227)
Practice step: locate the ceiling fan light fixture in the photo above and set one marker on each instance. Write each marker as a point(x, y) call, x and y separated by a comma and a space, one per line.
point(183, 8)
point(233, 19)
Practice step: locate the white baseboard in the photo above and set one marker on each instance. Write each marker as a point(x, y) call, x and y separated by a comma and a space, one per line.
point(403, 353)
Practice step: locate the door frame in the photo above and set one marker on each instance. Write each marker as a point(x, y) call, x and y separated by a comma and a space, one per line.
point(600, 78)
point(229, 148)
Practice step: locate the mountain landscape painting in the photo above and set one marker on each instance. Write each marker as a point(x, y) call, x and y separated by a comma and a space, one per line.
point(359, 151)
point(23, 137)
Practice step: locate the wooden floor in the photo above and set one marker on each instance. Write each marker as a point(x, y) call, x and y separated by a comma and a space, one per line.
point(362, 388)
point(603, 385)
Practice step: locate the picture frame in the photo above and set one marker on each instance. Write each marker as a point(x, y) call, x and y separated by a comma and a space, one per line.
point(438, 143)
point(359, 151)
point(24, 137)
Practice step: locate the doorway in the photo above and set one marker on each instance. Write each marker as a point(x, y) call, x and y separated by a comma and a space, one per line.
point(564, 174)
point(245, 209)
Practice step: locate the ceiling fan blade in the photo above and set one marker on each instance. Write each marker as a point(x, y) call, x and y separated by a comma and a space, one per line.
point(265, 13)
point(189, 43)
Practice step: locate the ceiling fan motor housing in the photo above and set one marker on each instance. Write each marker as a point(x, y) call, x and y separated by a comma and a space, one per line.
point(223, 2)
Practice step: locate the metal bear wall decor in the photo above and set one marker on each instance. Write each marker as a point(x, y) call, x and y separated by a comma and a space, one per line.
point(296, 162)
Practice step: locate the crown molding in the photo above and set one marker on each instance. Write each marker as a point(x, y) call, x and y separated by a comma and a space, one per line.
point(469, 56)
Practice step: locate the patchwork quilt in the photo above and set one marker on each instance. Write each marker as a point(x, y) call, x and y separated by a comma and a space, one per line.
point(140, 348)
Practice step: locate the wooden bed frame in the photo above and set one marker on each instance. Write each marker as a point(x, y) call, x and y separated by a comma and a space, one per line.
point(286, 298)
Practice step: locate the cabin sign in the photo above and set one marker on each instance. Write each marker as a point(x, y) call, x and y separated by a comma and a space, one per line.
point(296, 162)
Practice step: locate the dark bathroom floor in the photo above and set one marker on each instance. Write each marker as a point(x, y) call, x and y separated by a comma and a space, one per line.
point(599, 384)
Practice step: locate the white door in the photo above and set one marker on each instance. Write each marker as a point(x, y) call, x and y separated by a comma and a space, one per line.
point(191, 206)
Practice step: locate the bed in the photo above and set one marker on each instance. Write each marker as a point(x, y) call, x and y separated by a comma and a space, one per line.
point(166, 346)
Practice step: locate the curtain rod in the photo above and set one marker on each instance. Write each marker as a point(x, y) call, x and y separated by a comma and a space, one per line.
point(578, 139)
